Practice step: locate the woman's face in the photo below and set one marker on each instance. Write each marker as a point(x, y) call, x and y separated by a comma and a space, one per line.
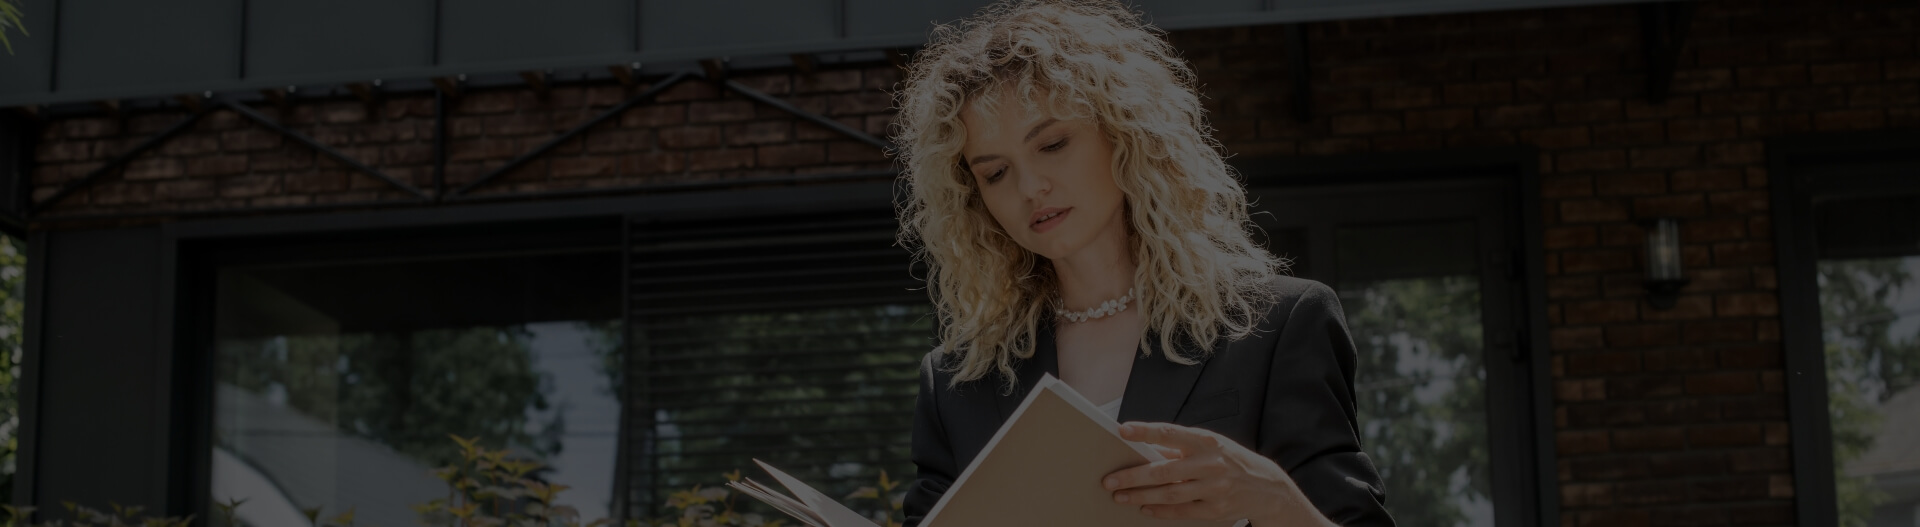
point(1047, 181)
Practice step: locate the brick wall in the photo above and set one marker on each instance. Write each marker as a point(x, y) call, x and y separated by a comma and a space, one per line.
point(692, 131)
point(1674, 417)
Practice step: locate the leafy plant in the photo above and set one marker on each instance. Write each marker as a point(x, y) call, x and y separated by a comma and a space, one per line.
point(9, 21)
point(122, 516)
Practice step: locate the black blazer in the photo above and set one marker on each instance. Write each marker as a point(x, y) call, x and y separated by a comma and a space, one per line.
point(1286, 392)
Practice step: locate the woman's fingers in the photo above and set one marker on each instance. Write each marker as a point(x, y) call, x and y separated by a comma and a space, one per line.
point(1164, 472)
point(1186, 439)
point(1174, 493)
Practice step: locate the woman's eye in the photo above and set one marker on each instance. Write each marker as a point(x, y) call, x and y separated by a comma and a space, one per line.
point(1056, 145)
point(995, 176)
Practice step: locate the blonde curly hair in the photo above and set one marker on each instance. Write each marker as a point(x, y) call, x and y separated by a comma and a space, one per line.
point(1199, 274)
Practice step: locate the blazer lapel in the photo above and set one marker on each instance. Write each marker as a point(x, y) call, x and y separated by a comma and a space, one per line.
point(1045, 360)
point(1157, 387)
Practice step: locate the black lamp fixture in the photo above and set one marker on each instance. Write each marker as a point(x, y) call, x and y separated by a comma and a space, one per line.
point(1664, 279)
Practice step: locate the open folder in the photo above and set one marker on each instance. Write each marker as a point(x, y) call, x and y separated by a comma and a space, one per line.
point(1043, 468)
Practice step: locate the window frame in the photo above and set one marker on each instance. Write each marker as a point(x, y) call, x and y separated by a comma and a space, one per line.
point(1805, 170)
point(1515, 170)
point(191, 252)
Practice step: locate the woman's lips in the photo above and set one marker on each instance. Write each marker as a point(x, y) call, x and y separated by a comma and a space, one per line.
point(1058, 215)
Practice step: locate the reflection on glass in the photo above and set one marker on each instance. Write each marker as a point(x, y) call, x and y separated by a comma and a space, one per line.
point(824, 393)
point(359, 420)
point(1870, 326)
point(1421, 387)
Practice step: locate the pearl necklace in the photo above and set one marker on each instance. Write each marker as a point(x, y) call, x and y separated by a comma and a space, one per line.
point(1106, 308)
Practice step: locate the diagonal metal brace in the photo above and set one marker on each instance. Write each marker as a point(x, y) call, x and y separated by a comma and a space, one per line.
point(636, 100)
point(317, 146)
point(120, 160)
point(814, 118)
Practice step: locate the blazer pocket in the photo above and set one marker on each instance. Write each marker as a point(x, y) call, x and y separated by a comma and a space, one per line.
point(1212, 407)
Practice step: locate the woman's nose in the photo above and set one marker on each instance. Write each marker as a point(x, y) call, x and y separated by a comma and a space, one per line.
point(1034, 184)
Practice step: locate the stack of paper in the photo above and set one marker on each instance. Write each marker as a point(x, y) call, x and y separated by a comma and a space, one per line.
point(1042, 469)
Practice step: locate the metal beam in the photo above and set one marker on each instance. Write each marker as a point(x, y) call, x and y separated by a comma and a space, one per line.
point(576, 130)
point(811, 117)
point(317, 146)
point(1663, 31)
point(1299, 70)
point(119, 160)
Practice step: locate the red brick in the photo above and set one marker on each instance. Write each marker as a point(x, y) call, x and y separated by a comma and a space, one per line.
point(1513, 115)
point(121, 193)
point(1655, 438)
point(1695, 81)
point(1365, 123)
point(1730, 54)
point(1574, 338)
point(788, 155)
point(1810, 98)
point(1632, 133)
point(1588, 111)
point(1571, 287)
point(1768, 76)
point(1566, 186)
point(1849, 120)
point(1775, 124)
point(1845, 72)
point(829, 81)
point(654, 115)
point(1653, 492)
point(1600, 311)
point(1578, 262)
point(248, 185)
point(1440, 119)
point(1747, 304)
point(1723, 383)
point(1736, 153)
point(1707, 129)
point(217, 165)
point(1687, 307)
point(184, 189)
point(1478, 93)
point(719, 159)
point(1631, 183)
point(653, 163)
point(1680, 360)
point(578, 167)
point(1715, 331)
point(1669, 206)
point(1566, 237)
point(1673, 106)
point(1560, 137)
point(1403, 97)
point(1589, 160)
point(154, 168)
point(189, 145)
point(719, 111)
point(689, 91)
point(1899, 94)
point(1735, 102)
point(1742, 253)
point(759, 132)
point(1585, 495)
point(1582, 442)
point(1642, 335)
point(1682, 411)
point(859, 103)
point(1752, 357)
point(1548, 89)
point(684, 137)
point(1601, 363)
point(1593, 210)
point(1478, 138)
point(1672, 156)
point(1708, 179)
point(84, 127)
point(1608, 468)
point(1423, 141)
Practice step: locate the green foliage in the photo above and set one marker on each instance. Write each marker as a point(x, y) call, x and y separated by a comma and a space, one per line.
point(13, 285)
point(1866, 365)
point(1422, 389)
point(9, 21)
point(122, 516)
point(406, 390)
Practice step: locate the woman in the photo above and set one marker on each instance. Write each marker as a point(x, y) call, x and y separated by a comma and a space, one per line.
point(1077, 219)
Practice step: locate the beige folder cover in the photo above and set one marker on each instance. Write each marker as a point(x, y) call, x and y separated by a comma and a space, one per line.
point(1044, 469)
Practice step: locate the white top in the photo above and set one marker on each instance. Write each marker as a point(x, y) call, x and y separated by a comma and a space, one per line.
point(1112, 408)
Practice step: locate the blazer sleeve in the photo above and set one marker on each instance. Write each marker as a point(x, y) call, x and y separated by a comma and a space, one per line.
point(1310, 427)
point(932, 450)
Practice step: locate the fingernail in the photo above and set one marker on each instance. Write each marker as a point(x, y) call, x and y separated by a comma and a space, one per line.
point(1112, 482)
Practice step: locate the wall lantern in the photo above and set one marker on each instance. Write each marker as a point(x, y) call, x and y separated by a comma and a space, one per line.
point(1664, 279)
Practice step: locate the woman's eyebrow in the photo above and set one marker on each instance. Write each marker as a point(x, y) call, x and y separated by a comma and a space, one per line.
point(1037, 128)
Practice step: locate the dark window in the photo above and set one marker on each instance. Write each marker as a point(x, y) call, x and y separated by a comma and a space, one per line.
point(340, 368)
point(1848, 212)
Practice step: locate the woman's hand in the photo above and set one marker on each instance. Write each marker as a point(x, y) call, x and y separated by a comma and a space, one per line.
point(1208, 477)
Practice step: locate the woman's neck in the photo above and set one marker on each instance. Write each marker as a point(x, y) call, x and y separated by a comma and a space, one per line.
point(1101, 271)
